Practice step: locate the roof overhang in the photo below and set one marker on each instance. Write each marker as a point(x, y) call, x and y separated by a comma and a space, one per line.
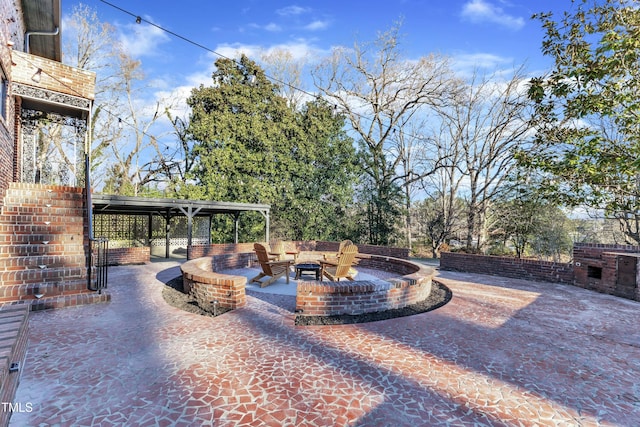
point(113, 204)
point(42, 28)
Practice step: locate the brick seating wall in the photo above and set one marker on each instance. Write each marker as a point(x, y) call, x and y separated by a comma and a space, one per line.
point(202, 282)
point(412, 285)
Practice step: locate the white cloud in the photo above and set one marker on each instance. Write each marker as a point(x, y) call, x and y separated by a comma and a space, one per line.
point(272, 27)
point(482, 11)
point(317, 25)
point(142, 39)
point(299, 50)
point(292, 10)
point(466, 63)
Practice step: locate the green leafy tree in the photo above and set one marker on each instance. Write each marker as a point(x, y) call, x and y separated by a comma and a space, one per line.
point(250, 146)
point(587, 110)
point(525, 222)
point(326, 168)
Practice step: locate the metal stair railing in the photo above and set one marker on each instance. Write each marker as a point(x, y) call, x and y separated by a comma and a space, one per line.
point(99, 262)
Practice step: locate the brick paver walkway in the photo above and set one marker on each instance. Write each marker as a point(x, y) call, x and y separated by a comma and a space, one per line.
point(503, 352)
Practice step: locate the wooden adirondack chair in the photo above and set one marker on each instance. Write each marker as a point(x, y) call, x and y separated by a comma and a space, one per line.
point(342, 267)
point(281, 251)
point(333, 256)
point(272, 269)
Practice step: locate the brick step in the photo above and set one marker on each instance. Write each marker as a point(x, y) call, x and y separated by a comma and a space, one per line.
point(27, 188)
point(37, 239)
point(42, 191)
point(61, 301)
point(38, 220)
point(40, 249)
point(41, 199)
point(42, 275)
point(52, 211)
point(49, 261)
point(57, 227)
point(70, 300)
point(30, 291)
point(13, 349)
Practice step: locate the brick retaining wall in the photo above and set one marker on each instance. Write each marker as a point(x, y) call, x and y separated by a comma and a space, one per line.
point(402, 253)
point(128, 256)
point(198, 251)
point(529, 269)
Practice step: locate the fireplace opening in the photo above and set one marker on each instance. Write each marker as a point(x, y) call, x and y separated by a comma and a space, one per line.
point(594, 272)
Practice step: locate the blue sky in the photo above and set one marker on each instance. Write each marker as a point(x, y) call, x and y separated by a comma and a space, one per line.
point(491, 35)
point(485, 33)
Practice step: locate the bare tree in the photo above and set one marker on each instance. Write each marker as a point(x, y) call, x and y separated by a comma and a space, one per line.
point(175, 161)
point(138, 155)
point(93, 45)
point(442, 210)
point(380, 94)
point(487, 123)
point(286, 72)
point(123, 150)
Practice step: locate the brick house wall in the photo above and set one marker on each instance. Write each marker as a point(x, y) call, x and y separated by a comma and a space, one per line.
point(43, 229)
point(55, 76)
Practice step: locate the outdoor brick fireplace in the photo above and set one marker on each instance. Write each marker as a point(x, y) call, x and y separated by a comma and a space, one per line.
point(611, 269)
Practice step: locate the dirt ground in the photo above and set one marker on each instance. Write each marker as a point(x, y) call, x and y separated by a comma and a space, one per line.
point(173, 294)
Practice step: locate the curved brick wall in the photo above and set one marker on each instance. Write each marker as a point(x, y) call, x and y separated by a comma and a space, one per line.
point(200, 280)
point(412, 285)
point(359, 297)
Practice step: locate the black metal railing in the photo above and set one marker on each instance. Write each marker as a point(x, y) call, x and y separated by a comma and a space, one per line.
point(98, 263)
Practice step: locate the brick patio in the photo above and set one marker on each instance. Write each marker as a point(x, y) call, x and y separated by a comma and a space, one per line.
point(503, 352)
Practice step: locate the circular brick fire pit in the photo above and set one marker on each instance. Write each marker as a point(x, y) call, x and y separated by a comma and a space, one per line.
point(413, 283)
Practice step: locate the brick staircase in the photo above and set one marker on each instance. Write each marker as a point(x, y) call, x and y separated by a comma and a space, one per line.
point(43, 248)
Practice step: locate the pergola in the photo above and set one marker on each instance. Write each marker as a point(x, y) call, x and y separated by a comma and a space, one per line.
point(169, 208)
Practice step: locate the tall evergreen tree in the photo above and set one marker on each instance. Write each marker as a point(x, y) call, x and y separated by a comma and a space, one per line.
point(251, 146)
